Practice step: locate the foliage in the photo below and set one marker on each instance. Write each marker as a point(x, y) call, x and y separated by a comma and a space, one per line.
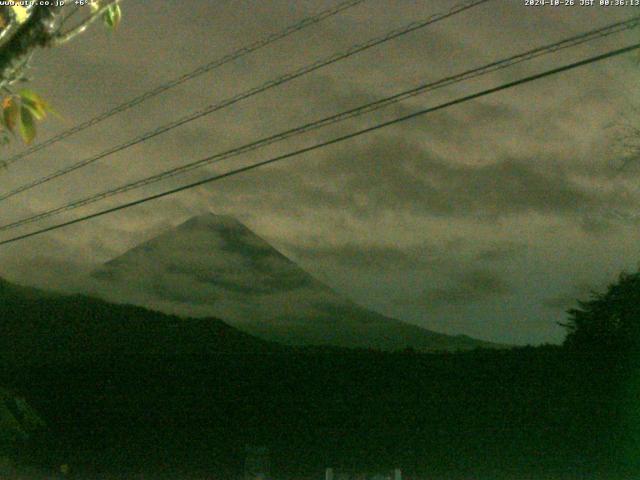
point(22, 30)
point(19, 115)
point(17, 422)
point(490, 415)
point(608, 321)
point(112, 16)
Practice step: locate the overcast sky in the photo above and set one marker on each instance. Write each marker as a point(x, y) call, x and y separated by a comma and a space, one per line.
point(489, 218)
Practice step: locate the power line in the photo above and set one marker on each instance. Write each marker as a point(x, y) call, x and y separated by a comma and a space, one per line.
point(333, 141)
point(241, 52)
point(351, 113)
point(393, 34)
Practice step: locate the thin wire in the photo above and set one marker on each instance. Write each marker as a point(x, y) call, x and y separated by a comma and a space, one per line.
point(69, 15)
point(333, 141)
point(304, 23)
point(247, 94)
point(351, 113)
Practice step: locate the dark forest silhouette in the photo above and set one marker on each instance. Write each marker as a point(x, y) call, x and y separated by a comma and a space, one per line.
point(119, 396)
point(609, 321)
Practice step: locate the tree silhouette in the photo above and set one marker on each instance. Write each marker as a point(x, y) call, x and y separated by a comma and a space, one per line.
point(608, 321)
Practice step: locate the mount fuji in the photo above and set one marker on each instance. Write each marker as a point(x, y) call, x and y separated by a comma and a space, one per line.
point(213, 265)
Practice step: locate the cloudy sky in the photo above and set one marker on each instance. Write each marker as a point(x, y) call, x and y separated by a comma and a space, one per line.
point(488, 218)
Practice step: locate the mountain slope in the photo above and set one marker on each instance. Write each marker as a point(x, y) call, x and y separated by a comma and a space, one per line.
point(37, 325)
point(214, 265)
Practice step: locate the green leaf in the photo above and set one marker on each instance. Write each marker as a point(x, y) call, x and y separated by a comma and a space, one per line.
point(38, 115)
point(30, 95)
point(38, 106)
point(10, 113)
point(27, 125)
point(34, 100)
point(37, 111)
point(112, 16)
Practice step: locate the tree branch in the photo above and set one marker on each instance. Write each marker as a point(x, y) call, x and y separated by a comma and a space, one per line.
point(12, 22)
point(36, 31)
point(61, 38)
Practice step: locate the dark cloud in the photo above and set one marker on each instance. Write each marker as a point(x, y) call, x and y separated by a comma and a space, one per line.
point(379, 257)
point(396, 174)
point(470, 287)
point(501, 252)
point(411, 177)
point(560, 302)
point(578, 292)
point(416, 253)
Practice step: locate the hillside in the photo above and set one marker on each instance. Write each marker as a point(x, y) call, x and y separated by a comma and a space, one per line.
point(37, 324)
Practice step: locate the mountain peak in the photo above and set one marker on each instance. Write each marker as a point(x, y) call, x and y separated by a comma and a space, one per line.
point(213, 265)
point(210, 220)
